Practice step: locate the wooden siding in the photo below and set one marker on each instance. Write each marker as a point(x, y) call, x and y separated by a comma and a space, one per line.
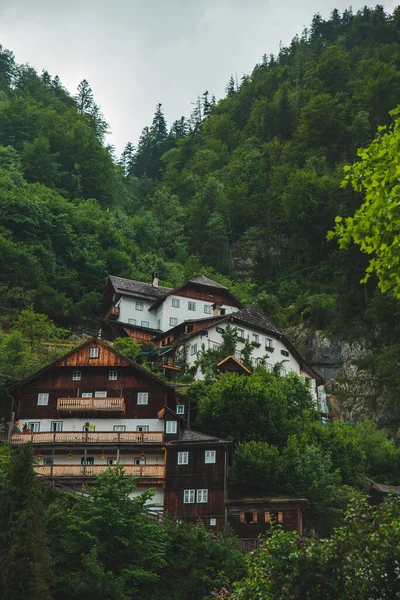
point(291, 519)
point(193, 476)
point(81, 358)
point(58, 383)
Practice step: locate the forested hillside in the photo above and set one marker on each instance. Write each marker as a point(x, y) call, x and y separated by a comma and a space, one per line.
point(245, 190)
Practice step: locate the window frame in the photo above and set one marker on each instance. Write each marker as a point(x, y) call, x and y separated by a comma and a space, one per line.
point(34, 430)
point(43, 399)
point(111, 461)
point(180, 412)
point(255, 338)
point(193, 349)
point(189, 496)
point(173, 425)
point(192, 306)
point(176, 303)
point(147, 326)
point(142, 428)
point(119, 428)
point(112, 378)
point(208, 309)
point(57, 430)
point(213, 522)
point(87, 395)
point(132, 321)
point(200, 495)
point(173, 321)
point(100, 394)
point(139, 306)
point(94, 352)
point(183, 457)
point(140, 397)
point(213, 453)
point(76, 375)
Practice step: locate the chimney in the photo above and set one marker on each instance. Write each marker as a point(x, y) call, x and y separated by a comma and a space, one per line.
point(216, 309)
point(155, 279)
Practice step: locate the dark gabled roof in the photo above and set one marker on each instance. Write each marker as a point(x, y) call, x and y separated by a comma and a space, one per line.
point(233, 359)
point(251, 315)
point(190, 436)
point(98, 342)
point(386, 489)
point(202, 280)
point(139, 289)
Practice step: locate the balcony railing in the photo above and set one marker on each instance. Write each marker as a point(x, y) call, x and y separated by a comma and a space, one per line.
point(145, 471)
point(91, 404)
point(82, 437)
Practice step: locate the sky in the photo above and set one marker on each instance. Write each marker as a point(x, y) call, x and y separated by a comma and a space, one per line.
point(137, 53)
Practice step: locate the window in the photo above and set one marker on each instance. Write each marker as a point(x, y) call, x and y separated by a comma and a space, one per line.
point(268, 342)
point(158, 323)
point(100, 394)
point(260, 361)
point(173, 321)
point(267, 517)
point(208, 309)
point(88, 427)
point(113, 375)
point(112, 460)
point(142, 428)
point(56, 426)
point(139, 306)
point(132, 321)
point(192, 305)
point(250, 517)
point(87, 395)
point(188, 496)
point(145, 324)
point(171, 427)
point(94, 353)
point(220, 329)
point(34, 427)
point(143, 398)
point(139, 460)
point(282, 372)
point(76, 375)
point(284, 353)
point(213, 522)
point(193, 349)
point(119, 428)
point(47, 462)
point(238, 356)
point(255, 338)
point(215, 346)
point(89, 460)
point(183, 458)
point(180, 409)
point(43, 399)
point(240, 334)
point(210, 457)
point(268, 366)
point(202, 496)
point(176, 302)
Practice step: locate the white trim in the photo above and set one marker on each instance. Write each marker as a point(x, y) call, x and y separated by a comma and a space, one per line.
point(112, 375)
point(94, 352)
point(183, 458)
point(202, 496)
point(43, 399)
point(188, 496)
point(171, 426)
point(142, 398)
point(210, 457)
point(76, 375)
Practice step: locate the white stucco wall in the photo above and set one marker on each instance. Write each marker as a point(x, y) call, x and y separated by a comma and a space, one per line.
point(128, 310)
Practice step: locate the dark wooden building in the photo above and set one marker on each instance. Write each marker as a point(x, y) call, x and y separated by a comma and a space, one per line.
point(380, 492)
point(252, 517)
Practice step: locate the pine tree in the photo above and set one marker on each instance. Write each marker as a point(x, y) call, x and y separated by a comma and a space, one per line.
point(24, 556)
point(206, 105)
point(179, 129)
point(159, 126)
point(84, 97)
point(196, 115)
point(230, 88)
point(127, 158)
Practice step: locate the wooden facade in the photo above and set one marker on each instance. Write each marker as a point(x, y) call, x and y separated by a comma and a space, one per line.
point(251, 518)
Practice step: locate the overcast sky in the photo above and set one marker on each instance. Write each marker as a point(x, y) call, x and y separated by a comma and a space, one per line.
point(136, 53)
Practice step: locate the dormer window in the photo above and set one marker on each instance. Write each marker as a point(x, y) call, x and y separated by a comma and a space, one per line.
point(76, 375)
point(94, 353)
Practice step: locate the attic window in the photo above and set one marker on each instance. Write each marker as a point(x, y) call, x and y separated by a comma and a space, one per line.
point(180, 409)
point(76, 375)
point(94, 353)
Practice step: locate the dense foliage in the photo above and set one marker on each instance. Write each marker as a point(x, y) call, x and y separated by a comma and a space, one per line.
point(359, 562)
point(103, 545)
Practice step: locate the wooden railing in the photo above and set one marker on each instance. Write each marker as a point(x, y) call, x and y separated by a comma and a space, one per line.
point(91, 404)
point(82, 437)
point(153, 471)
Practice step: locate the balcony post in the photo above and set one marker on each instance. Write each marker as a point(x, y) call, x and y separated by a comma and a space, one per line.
point(84, 461)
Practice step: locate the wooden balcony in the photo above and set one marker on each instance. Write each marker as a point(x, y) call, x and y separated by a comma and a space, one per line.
point(113, 313)
point(142, 471)
point(83, 405)
point(82, 437)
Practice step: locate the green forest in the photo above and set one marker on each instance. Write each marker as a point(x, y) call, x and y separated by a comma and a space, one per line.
point(271, 191)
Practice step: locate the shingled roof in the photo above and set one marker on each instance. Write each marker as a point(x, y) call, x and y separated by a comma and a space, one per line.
point(251, 315)
point(138, 289)
point(189, 435)
point(202, 280)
